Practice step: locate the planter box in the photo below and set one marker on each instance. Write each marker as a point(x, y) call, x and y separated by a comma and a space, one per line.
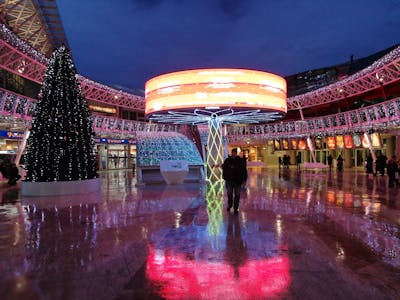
point(57, 188)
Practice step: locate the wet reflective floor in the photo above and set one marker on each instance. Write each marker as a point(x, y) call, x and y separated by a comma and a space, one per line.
point(307, 235)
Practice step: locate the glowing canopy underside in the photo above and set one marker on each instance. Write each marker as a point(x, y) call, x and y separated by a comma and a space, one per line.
point(187, 93)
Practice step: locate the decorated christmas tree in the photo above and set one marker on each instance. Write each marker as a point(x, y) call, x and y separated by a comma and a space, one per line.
point(61, 142)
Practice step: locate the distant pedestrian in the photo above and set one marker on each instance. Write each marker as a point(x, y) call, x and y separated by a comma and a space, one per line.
point(286, 161)
point(12, 174)
point(392, 169)
point(330, 161)
point(381, 164)
point(3, 168)
point(298, 161)
point(369, 165)
point(340, 163)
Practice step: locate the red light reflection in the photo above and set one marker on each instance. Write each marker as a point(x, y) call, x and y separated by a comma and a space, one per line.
point(182, 278)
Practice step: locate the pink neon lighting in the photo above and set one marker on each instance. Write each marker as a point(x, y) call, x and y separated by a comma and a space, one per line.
point(182, 278)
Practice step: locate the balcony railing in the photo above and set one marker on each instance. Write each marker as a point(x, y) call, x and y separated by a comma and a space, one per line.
point(21, 108)
point(382, 116)
point(19, 58)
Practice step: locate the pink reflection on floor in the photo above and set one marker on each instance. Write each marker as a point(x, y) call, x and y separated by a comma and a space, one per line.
point(181, 278)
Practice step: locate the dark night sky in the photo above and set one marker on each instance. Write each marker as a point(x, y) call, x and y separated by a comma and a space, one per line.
point(126, 42)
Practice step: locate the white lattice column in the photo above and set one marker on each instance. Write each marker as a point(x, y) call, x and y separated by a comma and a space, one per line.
point(215, 150)
point(214, 201)
point(309, 141)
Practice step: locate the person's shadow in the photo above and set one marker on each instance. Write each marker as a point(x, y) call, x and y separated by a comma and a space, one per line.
point(236, 250)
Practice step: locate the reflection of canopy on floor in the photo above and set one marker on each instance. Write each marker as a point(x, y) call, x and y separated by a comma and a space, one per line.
point(196, 241)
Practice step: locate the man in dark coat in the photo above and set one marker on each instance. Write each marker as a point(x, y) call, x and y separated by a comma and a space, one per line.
point(370, 165)
point(234, 173)
point(381, 164)
point(340, 163)
point(392, 169)
point(12, 174)
point(330, 161)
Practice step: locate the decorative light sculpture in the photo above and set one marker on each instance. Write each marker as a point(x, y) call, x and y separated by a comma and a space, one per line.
point(214, 194)
point(216, 97)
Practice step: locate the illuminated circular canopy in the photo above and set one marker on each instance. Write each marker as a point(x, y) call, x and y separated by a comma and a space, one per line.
point(206, 92)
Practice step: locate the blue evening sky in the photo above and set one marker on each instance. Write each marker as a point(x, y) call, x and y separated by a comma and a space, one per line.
point(126, 42)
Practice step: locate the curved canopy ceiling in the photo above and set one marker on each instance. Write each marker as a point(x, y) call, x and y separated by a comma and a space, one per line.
point(37, 22)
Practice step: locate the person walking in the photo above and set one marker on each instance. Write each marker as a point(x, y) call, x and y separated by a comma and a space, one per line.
point(234, 173)
point(13, 174)
point(381, 164)
point(286, 161)
point(298, 161)
point(330, 160)
point(340, 163)
point(3, 168)
point(369, 165)
point(392, 169)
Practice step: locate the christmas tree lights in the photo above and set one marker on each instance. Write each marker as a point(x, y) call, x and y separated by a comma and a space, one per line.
point(61, 143)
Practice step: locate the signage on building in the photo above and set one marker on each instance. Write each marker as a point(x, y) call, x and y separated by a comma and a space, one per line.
point(113, 141)
point(11, 134)
point(7, 152)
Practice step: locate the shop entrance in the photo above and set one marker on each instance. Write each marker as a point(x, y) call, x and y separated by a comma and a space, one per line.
point(321, 156)
point(117, 157)
point(360, 156)
point(111, 157)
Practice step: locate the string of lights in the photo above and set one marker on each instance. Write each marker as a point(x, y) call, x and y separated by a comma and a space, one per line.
point(61, 143)
point(153, 147)
point(385, 68)
point(34, 71)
